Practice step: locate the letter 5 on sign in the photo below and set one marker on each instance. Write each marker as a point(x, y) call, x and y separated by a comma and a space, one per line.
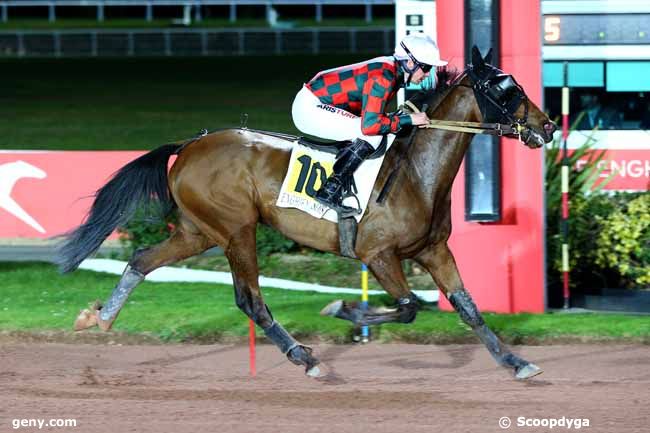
point(307, 175)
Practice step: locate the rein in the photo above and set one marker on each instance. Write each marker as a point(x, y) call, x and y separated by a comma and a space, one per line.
point(498, 129)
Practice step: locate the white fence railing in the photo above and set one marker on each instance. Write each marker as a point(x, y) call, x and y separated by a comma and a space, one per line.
point(195, 42)
point(195, 5)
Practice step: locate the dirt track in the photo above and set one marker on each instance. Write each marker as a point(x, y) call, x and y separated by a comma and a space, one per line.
point(374, 388)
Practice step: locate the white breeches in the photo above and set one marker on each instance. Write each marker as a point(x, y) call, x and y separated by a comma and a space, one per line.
point(313, 117)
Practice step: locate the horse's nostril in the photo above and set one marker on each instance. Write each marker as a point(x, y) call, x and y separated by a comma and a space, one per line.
point(550, 128)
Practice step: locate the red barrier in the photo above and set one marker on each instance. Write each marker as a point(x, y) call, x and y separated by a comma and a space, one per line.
point(502, 264)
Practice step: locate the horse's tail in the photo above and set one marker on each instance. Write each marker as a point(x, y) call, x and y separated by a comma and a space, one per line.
point(140, 183)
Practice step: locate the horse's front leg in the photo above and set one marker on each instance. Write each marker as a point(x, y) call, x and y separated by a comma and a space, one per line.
point(440, 263)
point(387, 268)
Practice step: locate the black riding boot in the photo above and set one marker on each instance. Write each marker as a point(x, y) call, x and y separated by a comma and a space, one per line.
point(331, 193)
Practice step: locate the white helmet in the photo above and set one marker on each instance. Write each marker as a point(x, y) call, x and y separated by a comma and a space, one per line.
point(420, 48)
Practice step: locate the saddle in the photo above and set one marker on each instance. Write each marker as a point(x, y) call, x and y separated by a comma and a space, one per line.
point(327, 146)
point(335, 147)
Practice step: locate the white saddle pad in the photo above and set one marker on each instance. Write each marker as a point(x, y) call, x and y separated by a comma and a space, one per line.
point(308, 170)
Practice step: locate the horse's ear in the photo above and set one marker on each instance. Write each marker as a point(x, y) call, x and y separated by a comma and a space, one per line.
point(477, 59)
point(488, 57)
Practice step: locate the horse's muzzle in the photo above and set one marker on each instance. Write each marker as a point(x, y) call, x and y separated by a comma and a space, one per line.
point(531, 138)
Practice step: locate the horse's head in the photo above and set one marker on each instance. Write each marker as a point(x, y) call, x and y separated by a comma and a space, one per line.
point(500, 99)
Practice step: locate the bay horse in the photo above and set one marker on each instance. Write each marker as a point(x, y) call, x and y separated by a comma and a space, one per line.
point(225, 183)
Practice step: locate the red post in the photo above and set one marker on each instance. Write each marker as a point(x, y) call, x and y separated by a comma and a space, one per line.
point(251, 347)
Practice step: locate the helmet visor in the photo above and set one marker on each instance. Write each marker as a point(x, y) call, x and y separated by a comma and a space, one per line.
point(425, 67)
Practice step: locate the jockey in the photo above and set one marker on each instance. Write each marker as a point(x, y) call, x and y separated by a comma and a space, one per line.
point(349, 103)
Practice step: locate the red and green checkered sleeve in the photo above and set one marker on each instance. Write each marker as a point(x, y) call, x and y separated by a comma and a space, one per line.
point(376, 92)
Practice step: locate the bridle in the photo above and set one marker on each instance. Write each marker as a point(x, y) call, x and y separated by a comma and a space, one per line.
point(499, 97)
point(501, 92)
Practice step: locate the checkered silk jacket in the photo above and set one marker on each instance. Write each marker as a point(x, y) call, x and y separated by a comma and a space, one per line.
point(363, 89)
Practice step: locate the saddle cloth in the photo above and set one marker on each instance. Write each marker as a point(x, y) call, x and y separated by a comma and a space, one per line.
point(310, 168)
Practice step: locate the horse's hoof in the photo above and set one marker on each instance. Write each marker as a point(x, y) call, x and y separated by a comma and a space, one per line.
point(86, 319)
point(527, 371)
point(104, 325)
point(332, 309)
point(314, 372)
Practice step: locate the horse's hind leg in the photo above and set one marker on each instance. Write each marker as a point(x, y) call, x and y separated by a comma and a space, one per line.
point(185, 242)
point(387, 268)
point(242, 256)
point(440, 263)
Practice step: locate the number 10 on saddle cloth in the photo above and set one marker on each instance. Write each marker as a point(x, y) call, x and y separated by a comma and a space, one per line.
point(308, 170)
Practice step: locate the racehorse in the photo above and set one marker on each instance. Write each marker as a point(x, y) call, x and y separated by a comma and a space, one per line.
point(224, 183)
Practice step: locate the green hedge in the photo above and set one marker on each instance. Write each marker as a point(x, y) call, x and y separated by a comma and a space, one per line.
point(623, 243)
point(144, 231)
point(609, 241)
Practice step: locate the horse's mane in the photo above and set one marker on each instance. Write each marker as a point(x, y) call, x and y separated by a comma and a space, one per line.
point(446, 78)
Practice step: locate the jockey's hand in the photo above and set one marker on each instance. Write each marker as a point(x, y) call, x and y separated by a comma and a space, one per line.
point(419, 119)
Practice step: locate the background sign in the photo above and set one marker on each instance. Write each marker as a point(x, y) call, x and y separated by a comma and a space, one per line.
point(45, 194)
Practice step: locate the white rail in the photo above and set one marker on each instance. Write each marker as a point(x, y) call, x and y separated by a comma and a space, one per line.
point(194, 42)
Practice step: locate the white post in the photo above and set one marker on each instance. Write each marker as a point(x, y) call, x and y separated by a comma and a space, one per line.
point(52, 12)
point(319, 12)
point(198, 17)
point(168, 43)
point(93, 44)
point(130, 50)
point(204, 43)
point(233, 12)
point(100, 12)
point(149, 12)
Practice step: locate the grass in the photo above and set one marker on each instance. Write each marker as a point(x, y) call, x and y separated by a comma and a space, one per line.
point(133, 104)
point(36, 298)
point(136, 23)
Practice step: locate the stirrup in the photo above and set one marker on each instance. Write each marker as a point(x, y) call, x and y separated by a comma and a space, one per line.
point(338, 206)
point(345, 211)
point(334, 200)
